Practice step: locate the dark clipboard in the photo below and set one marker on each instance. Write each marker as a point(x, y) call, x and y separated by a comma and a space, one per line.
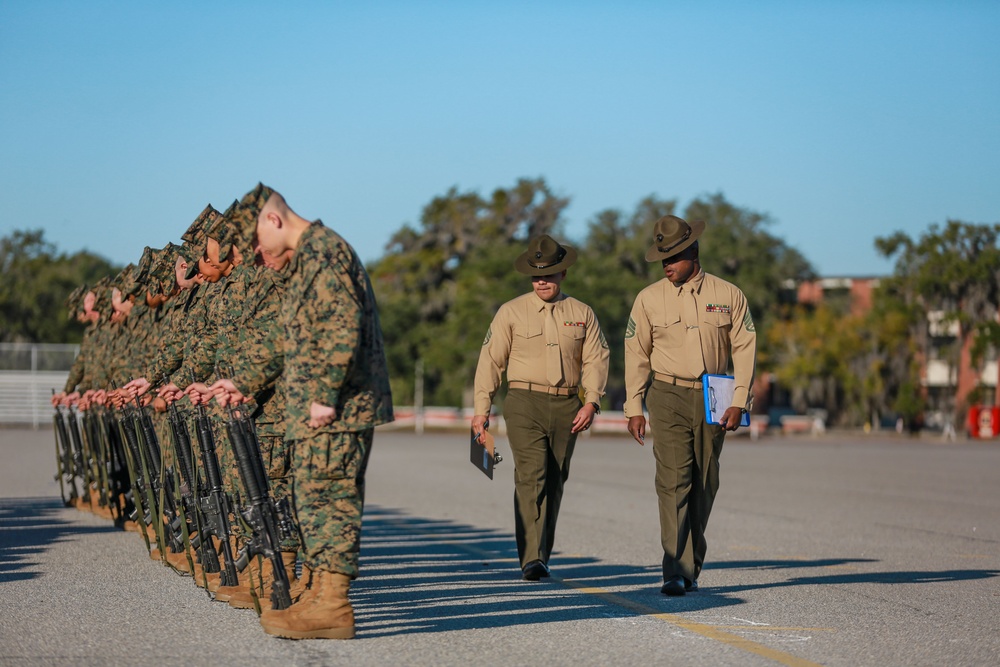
point(483, 454)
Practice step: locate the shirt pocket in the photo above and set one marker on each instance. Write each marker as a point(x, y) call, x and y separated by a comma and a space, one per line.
point(668, 331)
point(571, 340)
point(527, 330)
point(721, 322)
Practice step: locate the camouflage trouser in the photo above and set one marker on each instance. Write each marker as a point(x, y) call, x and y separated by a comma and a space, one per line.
point(278, 464)
point(328, 485)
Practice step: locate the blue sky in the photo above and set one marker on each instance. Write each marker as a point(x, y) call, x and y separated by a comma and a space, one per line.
point(843, 121)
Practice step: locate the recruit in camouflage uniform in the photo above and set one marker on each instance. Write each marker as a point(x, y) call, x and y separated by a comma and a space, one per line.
point(337, 390)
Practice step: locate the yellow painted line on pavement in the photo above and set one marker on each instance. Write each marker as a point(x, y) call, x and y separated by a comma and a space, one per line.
point(705, 630)
point(711, 631)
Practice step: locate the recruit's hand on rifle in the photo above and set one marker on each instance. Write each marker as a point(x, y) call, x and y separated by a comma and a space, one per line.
point(199, 393)
point(136, 387)
point(226, 393)
point(170, 392)
point(57, 399)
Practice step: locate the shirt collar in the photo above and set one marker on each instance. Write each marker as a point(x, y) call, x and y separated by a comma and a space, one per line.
point(540, 305)
point(694, 284)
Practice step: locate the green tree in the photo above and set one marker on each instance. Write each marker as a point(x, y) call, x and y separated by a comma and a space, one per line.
point(738, 247)
point(36, 281)
point(951, 271)
point(438, 287)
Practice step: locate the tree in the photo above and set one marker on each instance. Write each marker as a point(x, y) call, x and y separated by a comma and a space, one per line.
point(738, 248)
point(36, 282)
point(953, 271)
point(438, 287)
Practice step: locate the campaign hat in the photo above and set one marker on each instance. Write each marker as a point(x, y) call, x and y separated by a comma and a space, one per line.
point(671, 236)
point(544, 257)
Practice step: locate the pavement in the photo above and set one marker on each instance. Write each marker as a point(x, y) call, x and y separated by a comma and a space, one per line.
point(841, 549)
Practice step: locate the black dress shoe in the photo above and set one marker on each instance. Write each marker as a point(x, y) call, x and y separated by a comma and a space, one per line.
point(690, 586)
point(535, 570)
point(675, 585)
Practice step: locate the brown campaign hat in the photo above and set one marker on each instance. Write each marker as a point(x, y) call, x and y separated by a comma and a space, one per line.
point(544, 257)
point(673, 235)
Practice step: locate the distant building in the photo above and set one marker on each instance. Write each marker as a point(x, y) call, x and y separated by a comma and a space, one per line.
point(939, 377)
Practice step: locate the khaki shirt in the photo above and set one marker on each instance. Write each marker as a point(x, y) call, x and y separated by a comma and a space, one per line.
point(516, 343)
point(661, 338)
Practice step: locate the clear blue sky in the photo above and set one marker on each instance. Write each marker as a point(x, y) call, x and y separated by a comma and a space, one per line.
point(842, 120)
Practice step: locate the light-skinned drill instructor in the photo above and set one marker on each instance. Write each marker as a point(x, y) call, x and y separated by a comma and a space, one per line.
point(552, 349)
point(686, 325)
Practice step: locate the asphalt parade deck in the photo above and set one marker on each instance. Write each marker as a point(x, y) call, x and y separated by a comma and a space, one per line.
point(835, 550)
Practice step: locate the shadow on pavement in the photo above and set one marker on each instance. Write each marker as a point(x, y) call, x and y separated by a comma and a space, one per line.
point(27, 527)
point(428, 575)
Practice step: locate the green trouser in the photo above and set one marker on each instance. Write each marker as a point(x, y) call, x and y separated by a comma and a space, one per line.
point(687, 451)
point(538, 428)
point(328, 487)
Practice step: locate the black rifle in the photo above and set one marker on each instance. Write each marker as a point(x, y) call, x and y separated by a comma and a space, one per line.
point(65, 469)
point(99, 456)
point(192, 490)
point(82, 458)
point(145, 510)
point(268, 520)
point(163, 497)
point(215, 505)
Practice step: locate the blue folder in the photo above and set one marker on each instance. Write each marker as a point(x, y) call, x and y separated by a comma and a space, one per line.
point(719, 390)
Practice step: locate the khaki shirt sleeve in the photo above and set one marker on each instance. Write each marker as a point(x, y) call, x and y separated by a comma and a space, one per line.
point(596, 358)
point(638, 347)
point(743, 339)
point(493, 359)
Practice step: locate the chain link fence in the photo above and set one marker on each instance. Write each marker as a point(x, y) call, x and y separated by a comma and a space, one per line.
point(29, 372)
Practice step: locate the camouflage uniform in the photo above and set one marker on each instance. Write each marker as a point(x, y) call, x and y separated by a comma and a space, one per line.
point(333, 355)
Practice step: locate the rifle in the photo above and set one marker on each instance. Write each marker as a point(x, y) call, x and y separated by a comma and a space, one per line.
point(269, 521)
point(99, 456)
point(191, 489)
point(82, 459)
point(215, 505)
point(65, 472)
point(163, 498)
point(144, 511)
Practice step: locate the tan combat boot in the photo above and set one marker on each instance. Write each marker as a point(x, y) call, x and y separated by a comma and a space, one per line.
point(326, 614)
point(301, 585)
point(245, 600)
point(223, 593)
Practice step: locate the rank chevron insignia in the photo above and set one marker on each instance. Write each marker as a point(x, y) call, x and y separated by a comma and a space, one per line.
point(630, 329)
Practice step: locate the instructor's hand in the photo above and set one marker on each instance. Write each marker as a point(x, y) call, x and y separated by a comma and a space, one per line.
point(637, 427)
point(584, 418)
point(731, 419)
point(480, 423)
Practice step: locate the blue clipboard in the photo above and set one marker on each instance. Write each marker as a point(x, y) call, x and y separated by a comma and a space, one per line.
point(718, 391)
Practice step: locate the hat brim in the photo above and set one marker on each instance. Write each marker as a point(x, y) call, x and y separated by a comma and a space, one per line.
point(192, 270)
point(654, 254)
point(521, 264)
